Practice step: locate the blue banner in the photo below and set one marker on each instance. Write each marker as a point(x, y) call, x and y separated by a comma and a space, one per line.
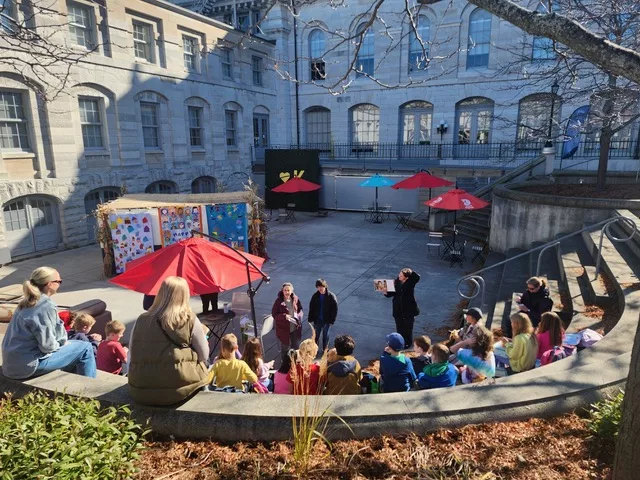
point(228, 222)
point(575, 125)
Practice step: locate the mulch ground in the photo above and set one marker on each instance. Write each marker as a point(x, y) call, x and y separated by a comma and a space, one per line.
point(558, 448)
point(617, 191)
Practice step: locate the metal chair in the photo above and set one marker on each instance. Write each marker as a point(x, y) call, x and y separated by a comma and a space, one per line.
point(386, 210)
point(290, 215)
point(435, 241)
point(267, 326)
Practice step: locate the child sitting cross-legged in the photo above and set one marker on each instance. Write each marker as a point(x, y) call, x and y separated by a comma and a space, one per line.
point(343, 370)
point(476, 355)
point(252, 355)
point(440, 373)
point(112, 356)
point(522, 351)
point(396, 370)
point(228, 371)
point(81, 325)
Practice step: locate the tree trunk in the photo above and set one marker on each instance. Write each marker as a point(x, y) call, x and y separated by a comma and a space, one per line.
point(627, 461)
point(603, 161)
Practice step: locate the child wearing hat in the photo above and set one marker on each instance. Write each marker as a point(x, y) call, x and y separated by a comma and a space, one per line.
point(472, 316)
point(396, 370)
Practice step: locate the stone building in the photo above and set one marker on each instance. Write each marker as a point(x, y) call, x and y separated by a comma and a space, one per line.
point(165, 101)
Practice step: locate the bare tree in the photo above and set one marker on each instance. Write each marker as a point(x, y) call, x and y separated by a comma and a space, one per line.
point(35, 43)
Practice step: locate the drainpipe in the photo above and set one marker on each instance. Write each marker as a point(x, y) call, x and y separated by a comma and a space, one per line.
point(295, 75)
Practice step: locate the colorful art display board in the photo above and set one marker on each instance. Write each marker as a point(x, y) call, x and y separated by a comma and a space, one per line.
point(228, 222)
point(176, 223)
point(132, 237)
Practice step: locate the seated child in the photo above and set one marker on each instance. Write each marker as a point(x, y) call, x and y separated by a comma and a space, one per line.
point(252, 355)
point(472, 316)
point(440, 373)
point(305, 377)
point(343, 371)
point(281, 383)
point(396, 370)
point(112, 356)
point(550, 333)
point(476, 356)
point(228, 371)
point(421, 346)
point(80, 327)
point(523, 349)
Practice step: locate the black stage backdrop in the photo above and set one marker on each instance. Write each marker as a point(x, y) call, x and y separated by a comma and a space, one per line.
point(280, 165)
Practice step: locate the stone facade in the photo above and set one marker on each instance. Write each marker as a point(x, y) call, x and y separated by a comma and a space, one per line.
point(55, 165)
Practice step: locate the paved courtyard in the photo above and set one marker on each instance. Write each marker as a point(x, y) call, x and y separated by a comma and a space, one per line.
point(342, 248)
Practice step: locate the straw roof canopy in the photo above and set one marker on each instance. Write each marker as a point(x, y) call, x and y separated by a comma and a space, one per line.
point(155, 200)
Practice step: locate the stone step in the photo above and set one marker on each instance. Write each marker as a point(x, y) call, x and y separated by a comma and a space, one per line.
point(492, 279)
point(573, 270)
point(595, 290)
point(622, 270)
point(470, 227)
point(475, 222)
point(633, 244)
point(473, 235)
point(514, 276)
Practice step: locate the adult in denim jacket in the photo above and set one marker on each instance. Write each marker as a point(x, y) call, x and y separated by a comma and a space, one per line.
point(36, 341)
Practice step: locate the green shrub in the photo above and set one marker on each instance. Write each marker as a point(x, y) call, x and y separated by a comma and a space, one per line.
point(605, 417)
point(66, 438)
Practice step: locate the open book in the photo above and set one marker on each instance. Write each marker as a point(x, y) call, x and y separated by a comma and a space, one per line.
point(380, 284)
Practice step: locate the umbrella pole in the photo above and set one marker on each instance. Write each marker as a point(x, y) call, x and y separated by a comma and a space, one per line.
point(252, 292)
point(376, 199)
point(455, 213)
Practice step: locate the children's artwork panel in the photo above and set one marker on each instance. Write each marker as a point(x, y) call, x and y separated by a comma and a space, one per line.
point(228, 223)
point(176, 223)
point(132, 236)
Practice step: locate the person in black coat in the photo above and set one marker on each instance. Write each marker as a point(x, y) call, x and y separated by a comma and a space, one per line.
point(535, 301)
point(323, 310)
point(405, 307)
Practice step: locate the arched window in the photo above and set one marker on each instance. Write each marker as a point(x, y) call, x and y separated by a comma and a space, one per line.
point(416, 122)
point(419, 45)
point(365, 123)
point(163, 186)
point(479, 39)
point(316, 54)
point(366, 54)
point(318, 123)
point(474, 117)
point(624, 109)
point(91, 202)
point(533, 120)
point(204, 185)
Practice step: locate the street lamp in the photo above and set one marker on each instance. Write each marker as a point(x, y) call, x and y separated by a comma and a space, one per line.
point(442, 129)
point(554, 91)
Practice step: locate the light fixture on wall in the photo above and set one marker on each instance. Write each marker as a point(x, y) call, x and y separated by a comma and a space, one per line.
point(442, 129)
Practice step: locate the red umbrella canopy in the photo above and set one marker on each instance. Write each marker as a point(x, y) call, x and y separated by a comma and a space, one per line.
point(296, 185)
point(456, 199)
point(422, 180)
point(208, 267)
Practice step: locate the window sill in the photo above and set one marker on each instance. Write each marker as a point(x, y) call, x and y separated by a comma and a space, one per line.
point(9, 155)
point(233, 149)
point(141, 61)
point(96, 153)
point(153, 150)
point(198, 150)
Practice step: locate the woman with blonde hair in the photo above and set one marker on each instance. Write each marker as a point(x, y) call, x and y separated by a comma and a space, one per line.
point(36, 341)
point(168, 350)
point(522, 351)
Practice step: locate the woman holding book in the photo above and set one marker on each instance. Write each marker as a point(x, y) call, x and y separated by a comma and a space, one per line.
point(287, 313)
point(405, 307)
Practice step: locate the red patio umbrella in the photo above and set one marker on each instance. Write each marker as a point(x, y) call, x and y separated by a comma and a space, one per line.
point(207, 267)
point(456, 199)
point(422, 179)
point(296, 185)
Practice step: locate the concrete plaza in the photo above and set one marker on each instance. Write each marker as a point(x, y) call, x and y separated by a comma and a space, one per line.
point(342, 248)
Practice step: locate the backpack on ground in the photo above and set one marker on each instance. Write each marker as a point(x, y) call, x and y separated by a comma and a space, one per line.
point(553, 355)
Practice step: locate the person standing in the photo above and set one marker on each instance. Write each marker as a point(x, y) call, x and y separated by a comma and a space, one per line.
point(323, 310)
point(405, 307)
point(287, 313)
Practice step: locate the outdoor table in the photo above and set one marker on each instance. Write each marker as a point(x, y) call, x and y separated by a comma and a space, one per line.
point(456, 253)
point(377, 216)
point(403, 221)
point(218, 322)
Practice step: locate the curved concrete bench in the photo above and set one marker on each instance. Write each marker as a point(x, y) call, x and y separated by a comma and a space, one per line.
point(555, 389)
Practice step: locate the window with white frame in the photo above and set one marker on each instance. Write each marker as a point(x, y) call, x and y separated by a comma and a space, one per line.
point(473, 117)
point(533, 120)
point(150, 125)
point(316, 54)
point(419, 45)
point(479, 39)
point(416, 122)
point(231, 120)
point(8, 15)
point(195, 127)
point(365, 60)
point(143, 41)
point(91, 123)
point(190, 53)
point(319, 126)
point(13, 123)
point(226, 60)
point(365, 123)
point(80, 25)
point(256, 67)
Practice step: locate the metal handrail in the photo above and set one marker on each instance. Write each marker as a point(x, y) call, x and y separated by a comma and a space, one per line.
point(607, 224)
point(554, 244)
point(479, 282)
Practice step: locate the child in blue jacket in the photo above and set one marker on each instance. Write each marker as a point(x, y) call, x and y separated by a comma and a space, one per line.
point(396, 370)
point(440, 373)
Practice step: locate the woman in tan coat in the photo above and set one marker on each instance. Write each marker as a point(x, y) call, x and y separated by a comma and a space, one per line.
point(168, 349)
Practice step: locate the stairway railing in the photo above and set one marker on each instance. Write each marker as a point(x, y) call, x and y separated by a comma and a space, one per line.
point(480, 286)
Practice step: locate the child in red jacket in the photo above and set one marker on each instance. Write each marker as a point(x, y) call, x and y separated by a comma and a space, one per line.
point(111, 354)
